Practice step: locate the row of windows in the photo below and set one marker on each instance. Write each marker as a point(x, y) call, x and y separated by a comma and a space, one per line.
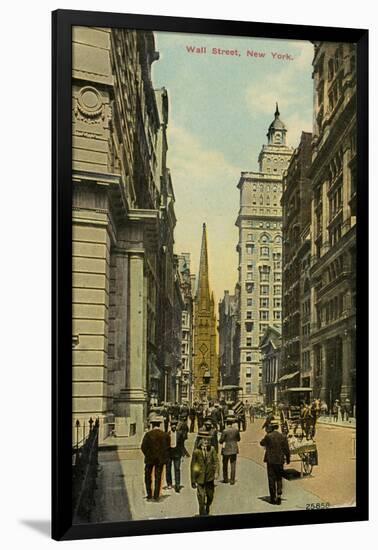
point(265, 187)
point(261, 200)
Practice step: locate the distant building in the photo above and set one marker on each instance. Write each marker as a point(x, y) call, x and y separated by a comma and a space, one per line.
point(205, 360)
point(296, 214)
point(270, 346)
point(228, 339)
point(187, 289)
point(260, 254)
point(333, 225)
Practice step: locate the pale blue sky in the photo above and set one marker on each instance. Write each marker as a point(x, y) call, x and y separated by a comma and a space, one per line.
point(220, 110)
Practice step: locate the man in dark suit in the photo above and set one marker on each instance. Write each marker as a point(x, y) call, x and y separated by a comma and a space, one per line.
point(176, 452)
point(204, 469)
point(229, 438)
point(276, 451)
point(155, 447)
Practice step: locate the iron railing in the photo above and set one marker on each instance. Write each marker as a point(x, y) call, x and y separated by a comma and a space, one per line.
point(84, 470)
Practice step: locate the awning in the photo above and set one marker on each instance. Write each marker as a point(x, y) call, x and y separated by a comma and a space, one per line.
point(154, 372)
point(229, 387)
point(304, 389)
point(288, 376)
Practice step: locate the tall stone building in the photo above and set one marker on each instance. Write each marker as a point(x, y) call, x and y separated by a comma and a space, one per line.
point(270, 346)
point(205, 360)
point(120, 182)
point(229, 339)
point(260, 254)
point(296, 212)
point(333, 227)
point(187, 290)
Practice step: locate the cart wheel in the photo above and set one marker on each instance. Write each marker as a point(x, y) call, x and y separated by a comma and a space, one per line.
point(307, 466)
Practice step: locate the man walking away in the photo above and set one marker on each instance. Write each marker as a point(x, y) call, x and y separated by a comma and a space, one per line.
point(155, 447)
point(204, 470)
point(192, 418)
point(252, 414)
point(276, 451)
point(176, 452)
point(229, 438)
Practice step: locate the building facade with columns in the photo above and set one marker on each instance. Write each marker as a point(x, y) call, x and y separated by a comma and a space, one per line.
point(296, 215)
point(121, 192)
point(205, 358)
point(333, 227)
point(260, 255)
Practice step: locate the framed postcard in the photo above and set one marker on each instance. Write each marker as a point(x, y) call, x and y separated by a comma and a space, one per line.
point(210, 274)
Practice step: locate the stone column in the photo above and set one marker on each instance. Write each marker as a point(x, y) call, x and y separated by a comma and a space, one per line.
point(135, 393)
point(346, 190)
point(347, 365)
point(324, 393)
point(325, 245)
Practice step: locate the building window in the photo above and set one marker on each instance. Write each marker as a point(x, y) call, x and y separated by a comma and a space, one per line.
point(263, 327)
point(264, 302)
point(249, 302)
point(277, 277)
point(248, 357)
point(248, 372)
point(264, 315)
point(277, 290)
point(249, 276)
point(249, 326)
point(249, 314)
point(248, 342)
point(264, 289)
point(250, 237)
point(276, 315)
point(264, 277)
point(250, 265)
point(248, 388)
point(277, 302)
point(249, 288)
point(249, 248)
point(264, 251)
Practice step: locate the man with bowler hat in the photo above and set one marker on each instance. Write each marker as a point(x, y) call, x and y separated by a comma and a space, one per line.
point(155, 447)
point(229, 438)
point(204, 469)
point(276, 451)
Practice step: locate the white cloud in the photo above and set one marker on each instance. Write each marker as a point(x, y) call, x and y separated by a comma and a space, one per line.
point(205, 189)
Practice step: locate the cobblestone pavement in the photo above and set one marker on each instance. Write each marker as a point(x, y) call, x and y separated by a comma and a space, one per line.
point(121, 493)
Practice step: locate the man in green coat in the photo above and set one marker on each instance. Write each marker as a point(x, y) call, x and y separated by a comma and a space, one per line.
point(204, 470)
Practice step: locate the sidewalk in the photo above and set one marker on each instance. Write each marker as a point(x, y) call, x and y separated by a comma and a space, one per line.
point(351, 423)
point(121, 491)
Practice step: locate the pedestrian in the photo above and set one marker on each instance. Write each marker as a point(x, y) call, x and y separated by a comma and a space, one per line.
point(192, 417)
point(213, 434)
point(347, 409)
point(342, 411)
point(335, 410)
point(268, 420)
point(204, 470)
point(155, 447)
point(252, 414)
point(276, 452)
point(176, 452)
point(199, 416)
point(182, 427)
point(229, 439)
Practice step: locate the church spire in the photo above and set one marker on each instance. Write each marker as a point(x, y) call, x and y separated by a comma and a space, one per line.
point(277, 113)
point(203, 290)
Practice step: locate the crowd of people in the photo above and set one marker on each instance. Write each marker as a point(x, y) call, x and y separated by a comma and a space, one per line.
point(218, 425)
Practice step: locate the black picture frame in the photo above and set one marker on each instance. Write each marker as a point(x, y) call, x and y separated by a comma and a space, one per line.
point(62, 23)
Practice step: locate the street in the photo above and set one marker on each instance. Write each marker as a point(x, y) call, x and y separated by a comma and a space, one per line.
point(121, 493)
